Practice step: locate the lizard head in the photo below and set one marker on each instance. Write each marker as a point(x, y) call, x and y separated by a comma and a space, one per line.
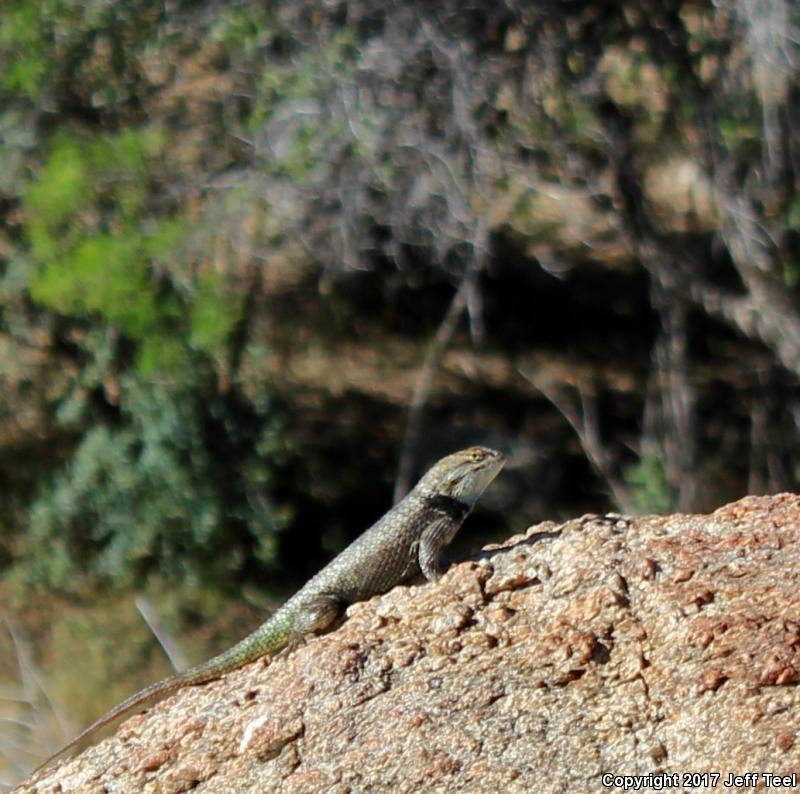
point(464, 475)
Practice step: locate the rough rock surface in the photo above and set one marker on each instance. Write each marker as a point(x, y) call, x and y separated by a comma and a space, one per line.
point(606, 645)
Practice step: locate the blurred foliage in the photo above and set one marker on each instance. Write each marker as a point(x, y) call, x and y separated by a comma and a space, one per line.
point(95, 253)
point(174, 486)
point(170, 470)
point(100, 253)
point(649, 485)
point(81, 45)
point(173, 479)
point(229, 232)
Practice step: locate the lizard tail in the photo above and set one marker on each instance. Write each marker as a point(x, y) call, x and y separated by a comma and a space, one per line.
point(135, 701)
point(251, 647)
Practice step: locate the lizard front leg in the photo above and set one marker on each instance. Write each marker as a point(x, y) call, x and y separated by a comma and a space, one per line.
point(438, 534)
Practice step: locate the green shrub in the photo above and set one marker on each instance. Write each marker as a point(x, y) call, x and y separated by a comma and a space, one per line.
point(175, 487)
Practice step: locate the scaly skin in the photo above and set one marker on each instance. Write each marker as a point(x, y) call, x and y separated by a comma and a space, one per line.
point(407, 540)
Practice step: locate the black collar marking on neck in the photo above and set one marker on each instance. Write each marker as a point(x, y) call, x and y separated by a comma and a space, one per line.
point(453, 508)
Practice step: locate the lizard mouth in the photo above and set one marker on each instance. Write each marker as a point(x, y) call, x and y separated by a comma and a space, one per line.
point(485, 465)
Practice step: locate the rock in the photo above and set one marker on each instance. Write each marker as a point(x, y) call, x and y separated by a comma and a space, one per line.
point(608, 645)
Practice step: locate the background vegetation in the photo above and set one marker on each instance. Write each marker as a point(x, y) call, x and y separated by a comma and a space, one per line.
point(261, 261)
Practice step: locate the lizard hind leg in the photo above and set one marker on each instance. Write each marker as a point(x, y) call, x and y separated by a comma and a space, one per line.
point(313, 617)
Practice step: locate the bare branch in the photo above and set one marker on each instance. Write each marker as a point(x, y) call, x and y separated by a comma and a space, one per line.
point(164, 638)
point(586, 426)
point(427, 375)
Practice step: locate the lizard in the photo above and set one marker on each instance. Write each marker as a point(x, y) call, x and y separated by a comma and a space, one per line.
point(406, 541)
